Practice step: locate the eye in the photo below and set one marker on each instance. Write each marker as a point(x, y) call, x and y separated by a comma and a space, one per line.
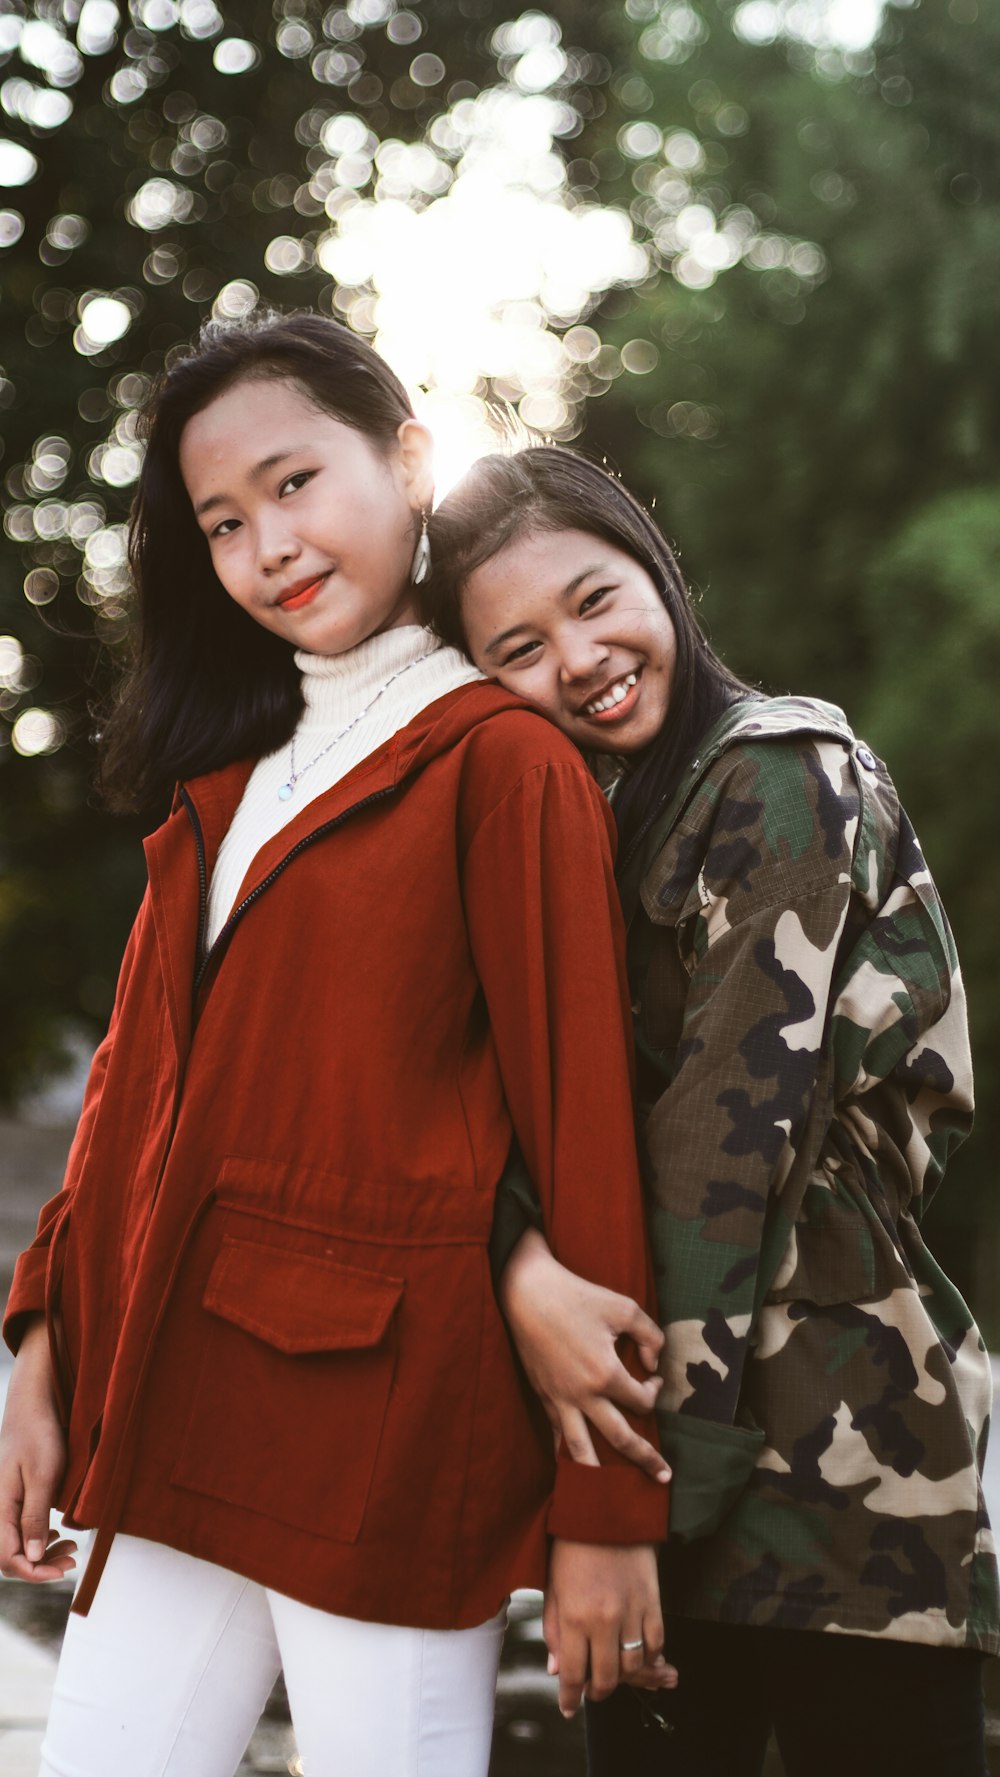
point(292, 483)
point(223, 529)
point(522, 653)
point(594, 598)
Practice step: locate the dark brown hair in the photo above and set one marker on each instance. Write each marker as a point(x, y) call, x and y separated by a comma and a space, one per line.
point(206, 684)
point(548, 488)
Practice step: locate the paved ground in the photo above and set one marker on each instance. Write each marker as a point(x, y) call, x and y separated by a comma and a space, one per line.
point(531, 1739)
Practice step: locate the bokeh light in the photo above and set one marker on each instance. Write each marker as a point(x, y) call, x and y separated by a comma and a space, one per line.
point(103, 319)
point(235, 55)
point(36, 731)
point(17, 164)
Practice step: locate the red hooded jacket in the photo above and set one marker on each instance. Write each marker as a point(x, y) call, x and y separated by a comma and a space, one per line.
point(266, 1277)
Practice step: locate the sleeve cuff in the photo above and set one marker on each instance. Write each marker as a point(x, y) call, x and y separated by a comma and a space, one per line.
point(27, 1295)
point(516, 1209)
point(711, 1465)
point(607, 1505)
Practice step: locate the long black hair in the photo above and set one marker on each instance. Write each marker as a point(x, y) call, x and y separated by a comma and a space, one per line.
point(549, 488)
point(206, 684)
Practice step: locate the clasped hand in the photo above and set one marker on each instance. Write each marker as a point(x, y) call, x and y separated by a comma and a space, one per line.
point(598, 1597)
point(566, 1333)
point(599, 1602)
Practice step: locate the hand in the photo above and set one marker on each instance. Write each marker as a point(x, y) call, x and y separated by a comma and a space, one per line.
point(32, 1460)
point(598, 1598)
point(565, 1331)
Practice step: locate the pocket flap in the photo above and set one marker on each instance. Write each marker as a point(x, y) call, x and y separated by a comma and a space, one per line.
point(299, 1303)
point(837, 1254)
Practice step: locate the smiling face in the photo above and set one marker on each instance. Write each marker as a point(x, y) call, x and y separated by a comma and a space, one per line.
point(310, 526)
point(577, 627)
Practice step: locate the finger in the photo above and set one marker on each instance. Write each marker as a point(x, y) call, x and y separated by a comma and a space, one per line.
point(35, 1521)
point(629, 1391)
point(605, 1661)
point(652, 1630)
point(572, 1671)
point(645, 1334)
point(632, 1653)
point(10, 1537)
point(550, 1631)
point(57, 1559)
point(653, 1675)
point(58, 1562)
point(577, 1439)
point(622, 1437)
point(551, 1410)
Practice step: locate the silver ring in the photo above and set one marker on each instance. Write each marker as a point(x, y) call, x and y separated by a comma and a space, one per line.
point(631, 1647)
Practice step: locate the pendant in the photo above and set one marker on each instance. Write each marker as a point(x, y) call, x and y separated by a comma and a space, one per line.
point(285, 793)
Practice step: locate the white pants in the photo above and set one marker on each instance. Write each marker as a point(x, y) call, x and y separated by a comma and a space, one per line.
point(169, 1673)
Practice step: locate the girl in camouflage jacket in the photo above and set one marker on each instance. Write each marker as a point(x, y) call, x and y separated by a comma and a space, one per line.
point(803, 1075)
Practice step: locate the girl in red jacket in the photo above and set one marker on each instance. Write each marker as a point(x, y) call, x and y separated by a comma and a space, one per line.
point(258, 1348)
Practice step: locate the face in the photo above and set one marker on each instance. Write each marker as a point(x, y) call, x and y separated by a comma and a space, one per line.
point(577, 628)
point(310, 527)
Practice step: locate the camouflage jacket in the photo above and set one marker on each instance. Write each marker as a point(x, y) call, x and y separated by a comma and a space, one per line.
point(804, 1073)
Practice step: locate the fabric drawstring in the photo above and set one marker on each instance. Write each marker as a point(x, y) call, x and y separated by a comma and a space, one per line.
point(121, 1473)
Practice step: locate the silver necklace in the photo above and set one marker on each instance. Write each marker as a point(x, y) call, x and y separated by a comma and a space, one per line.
point(287, 790)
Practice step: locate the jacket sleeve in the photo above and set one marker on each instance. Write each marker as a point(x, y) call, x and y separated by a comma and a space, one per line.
point(759, 935)
point(28, 1291)
point(545, 929)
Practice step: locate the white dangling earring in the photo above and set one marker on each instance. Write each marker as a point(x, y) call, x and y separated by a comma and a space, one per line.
point(420, 566)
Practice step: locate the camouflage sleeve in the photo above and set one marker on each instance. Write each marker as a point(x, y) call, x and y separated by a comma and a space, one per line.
point(764, 878)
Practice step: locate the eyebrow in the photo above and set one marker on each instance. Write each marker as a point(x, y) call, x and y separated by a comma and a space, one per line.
point(256, 472)
point(567, 592)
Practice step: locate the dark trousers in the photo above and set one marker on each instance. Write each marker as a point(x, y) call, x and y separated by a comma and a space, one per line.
point(838, 1705)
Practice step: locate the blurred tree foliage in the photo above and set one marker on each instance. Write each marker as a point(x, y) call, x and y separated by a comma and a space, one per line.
point(804, 378)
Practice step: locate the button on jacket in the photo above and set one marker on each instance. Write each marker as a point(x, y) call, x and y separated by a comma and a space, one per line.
point(266, 1277)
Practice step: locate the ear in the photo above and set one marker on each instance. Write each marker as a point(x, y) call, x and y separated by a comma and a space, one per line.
point(416, 460)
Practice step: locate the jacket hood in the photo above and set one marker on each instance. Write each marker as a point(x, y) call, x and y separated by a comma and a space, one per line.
point(441, 725)
point(752, 719)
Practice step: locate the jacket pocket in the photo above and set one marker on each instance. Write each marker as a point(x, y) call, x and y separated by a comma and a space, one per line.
point(838, 1253)
point(296, 1371)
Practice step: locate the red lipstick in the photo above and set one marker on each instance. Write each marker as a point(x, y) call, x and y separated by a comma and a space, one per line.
point(298, 596)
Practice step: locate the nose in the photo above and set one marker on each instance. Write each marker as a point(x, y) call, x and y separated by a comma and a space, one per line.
point(276, 542)
point(581, 656)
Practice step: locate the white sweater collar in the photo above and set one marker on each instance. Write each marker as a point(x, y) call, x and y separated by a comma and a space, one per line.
point(334, 686)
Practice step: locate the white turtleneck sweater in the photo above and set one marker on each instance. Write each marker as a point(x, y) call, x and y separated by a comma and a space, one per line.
point(336, 688)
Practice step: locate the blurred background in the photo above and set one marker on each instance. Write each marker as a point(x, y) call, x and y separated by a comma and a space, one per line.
point(747, 252)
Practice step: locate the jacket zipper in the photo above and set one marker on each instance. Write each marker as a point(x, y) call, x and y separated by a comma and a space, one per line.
point(199, 846)
point(638, 838)
point(254, 895)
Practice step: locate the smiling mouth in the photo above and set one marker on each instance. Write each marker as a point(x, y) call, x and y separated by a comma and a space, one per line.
point(616, 700)
point(299, 596)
